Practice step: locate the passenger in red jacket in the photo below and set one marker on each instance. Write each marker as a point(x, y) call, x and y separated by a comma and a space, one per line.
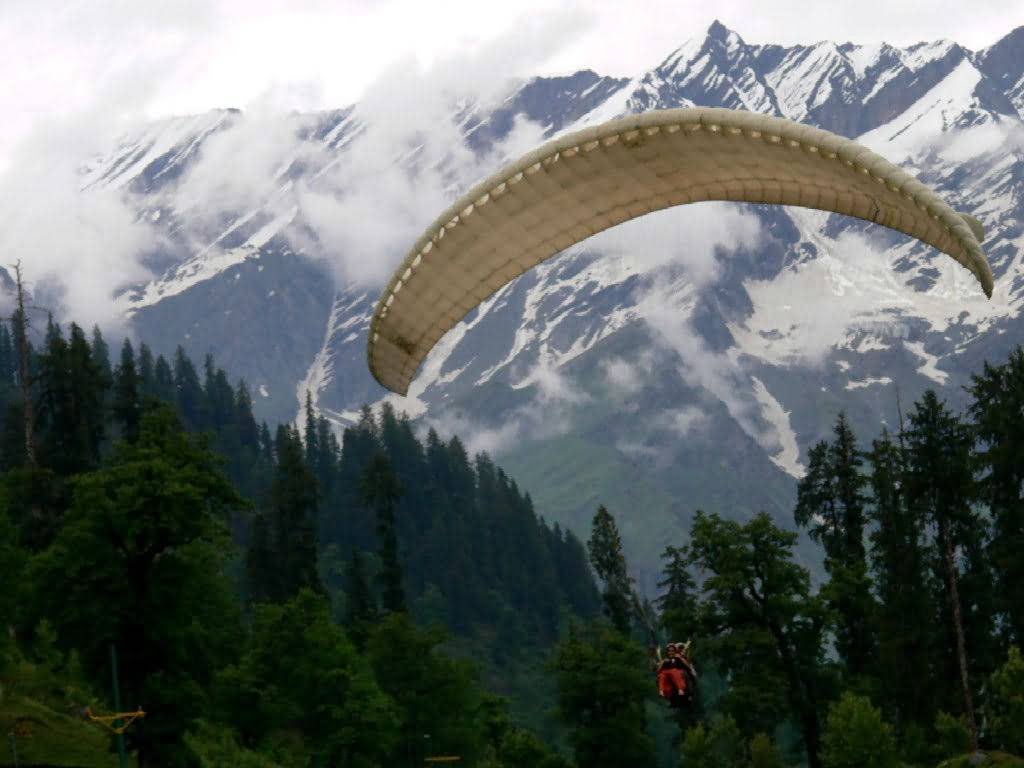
point(671, 679)
point(676, 675)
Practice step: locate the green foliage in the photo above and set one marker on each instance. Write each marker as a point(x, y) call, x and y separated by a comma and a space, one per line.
point(215, 745)
point(678, 603)
point(602, 682)
point(831, 502)
point(907, 615)
point(1006, 704)
point(127, 541)
point(952, 736)
point(299, 673)
point(762, 627)
point(764, 753)
point(360, 605)
point(50, 736)
point(998, 412)
point(856, 736)
point(381, 491)
point(137, 563)
point(940, 487)
point(435, 695)
point(521, 749)
point(720, 746)
point(12, 560)
point(127, 405)
point(290, 536)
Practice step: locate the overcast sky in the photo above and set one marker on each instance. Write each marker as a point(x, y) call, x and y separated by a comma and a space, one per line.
point(83, 59)
point(75, 75)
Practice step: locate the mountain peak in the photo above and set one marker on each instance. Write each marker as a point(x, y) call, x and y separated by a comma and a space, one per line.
point(718, 31)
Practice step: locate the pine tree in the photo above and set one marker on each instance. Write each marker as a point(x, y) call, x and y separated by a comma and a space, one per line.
point(189, 395)
point(163, 381)
point(101, 358)
point(220, 404)
point(261, 564)
point(831, 502)
point(998, 411)
point(147, 374)
point(70, 403)
point(940, 486)
point(293, 501)
point(360, 606)
point(328, 455)
point(381, 492)
point(906, 611)
point(678, 603)
point(127, 406)
point(609, 563)
point(310, 435)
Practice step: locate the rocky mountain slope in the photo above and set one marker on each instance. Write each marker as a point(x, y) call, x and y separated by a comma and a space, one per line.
point(685, 360)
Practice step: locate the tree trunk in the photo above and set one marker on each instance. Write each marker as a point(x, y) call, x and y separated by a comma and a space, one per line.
point(958, 628)
point(23, 372)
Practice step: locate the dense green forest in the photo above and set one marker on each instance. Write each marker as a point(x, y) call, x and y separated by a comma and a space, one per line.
point(288, 598)
point(280, 594)
point(907, 653)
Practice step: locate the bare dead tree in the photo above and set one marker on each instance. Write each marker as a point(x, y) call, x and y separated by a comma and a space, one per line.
point(24, 375)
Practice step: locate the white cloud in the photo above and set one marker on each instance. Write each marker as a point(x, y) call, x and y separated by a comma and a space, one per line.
point(100, 68)
point(548, 413)
point(628, 377)
point(686, 420)
point(243, 167)
point(74, 248)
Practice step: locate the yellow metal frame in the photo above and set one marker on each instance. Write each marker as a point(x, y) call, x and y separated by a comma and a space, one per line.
point(109, 721)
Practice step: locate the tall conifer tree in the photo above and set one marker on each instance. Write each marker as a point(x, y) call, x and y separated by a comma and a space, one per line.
point(127, 405)
point(609, 563)
point(998, 411)
point(381, 492)
point(831, 503)
point(293, 498)
point(906, 612)
point(940, 487)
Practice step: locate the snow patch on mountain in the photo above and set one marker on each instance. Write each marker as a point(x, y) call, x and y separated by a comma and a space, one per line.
point(177, 138)
point(864, 57)
point(788, 455)
point(210, 261)
point(937, 111)
point(871, 381)
point(929, 367)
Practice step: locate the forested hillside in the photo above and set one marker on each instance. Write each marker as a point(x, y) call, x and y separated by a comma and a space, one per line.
point(264, 588)
point(285, 598)
point(907, 653)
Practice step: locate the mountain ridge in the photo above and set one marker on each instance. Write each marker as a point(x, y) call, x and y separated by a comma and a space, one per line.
point(749, 327)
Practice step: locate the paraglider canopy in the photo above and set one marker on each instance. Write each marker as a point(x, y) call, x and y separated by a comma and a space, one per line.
point(582, 183)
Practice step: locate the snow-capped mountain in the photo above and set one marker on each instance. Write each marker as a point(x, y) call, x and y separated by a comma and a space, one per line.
point(684, 360)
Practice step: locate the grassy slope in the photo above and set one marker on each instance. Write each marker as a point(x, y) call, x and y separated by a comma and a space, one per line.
point(49, 738)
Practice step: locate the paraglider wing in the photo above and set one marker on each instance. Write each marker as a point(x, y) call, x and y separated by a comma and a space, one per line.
point(582, 183)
